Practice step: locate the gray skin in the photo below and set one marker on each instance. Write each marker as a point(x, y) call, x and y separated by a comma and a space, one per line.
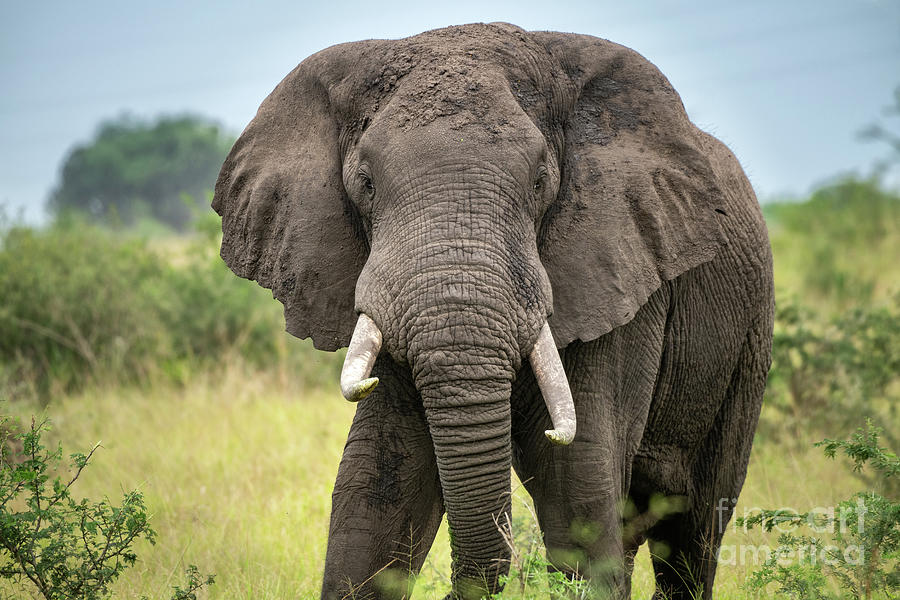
point(461, 187)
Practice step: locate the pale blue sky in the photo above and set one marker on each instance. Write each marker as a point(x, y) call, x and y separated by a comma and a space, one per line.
point(787, 84)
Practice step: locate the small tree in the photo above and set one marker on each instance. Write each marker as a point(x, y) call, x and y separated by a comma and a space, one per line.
point(63, 548)
point(860, 557)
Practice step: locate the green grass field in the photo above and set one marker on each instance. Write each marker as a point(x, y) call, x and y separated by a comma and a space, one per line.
point(237, 470)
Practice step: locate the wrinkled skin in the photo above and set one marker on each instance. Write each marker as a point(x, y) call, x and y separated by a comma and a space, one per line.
point(462, 187)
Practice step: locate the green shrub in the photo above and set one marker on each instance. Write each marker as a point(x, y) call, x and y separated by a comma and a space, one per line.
point(78, 301)
point(825, 374)
point(85, 304)
point(60, 547)
point(853, 552)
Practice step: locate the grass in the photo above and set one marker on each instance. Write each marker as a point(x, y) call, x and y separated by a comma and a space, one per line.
point(237, 477)
point(237, 469)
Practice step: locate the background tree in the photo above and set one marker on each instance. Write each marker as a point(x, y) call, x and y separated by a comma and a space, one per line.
point(134, 169)
point(881, 132)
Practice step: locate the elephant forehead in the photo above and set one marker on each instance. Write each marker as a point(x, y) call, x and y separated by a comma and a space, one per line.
point(476, 120)
point(464, 74)
point(474, 154)
point(455, 95)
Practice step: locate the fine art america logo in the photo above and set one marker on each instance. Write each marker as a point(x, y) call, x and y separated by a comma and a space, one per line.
point(786, 521)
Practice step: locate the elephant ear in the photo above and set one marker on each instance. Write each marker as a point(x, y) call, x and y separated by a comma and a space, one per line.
point(638, 197)
point(286, 219)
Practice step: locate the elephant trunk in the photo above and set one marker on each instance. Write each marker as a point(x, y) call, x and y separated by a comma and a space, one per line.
point(462, 304)
point(468, 416)
point(466, 395)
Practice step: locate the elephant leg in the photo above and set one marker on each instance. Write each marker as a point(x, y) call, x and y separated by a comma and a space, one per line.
point(578, 490)
point(686, 546)
point(583, 537)
point(386, 505)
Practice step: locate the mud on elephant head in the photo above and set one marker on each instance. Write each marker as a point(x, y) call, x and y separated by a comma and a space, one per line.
point(457, 196)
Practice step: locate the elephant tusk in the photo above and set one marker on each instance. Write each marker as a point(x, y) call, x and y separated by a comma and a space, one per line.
point(361, 354)
point(551, 378)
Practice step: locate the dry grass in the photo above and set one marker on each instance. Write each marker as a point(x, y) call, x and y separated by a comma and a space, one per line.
point(237, 471)
point(237, 477)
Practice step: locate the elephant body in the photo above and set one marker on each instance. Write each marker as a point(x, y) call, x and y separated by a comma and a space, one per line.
point(462, 190)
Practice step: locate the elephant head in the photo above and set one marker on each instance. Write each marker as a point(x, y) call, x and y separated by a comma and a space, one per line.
point(451, 199)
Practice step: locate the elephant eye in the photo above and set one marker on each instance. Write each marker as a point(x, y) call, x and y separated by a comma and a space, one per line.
point(540, 181)
point(368, 185)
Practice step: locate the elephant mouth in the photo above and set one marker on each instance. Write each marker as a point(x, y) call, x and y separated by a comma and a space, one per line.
point(365, 344)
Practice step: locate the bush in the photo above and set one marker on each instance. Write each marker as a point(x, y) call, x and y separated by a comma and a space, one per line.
point(78, 301)
point(61, 547)
point(84, 304)
point(824, 376)
point(861, 556)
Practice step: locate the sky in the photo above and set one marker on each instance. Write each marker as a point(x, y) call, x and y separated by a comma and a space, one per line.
point(787, 84)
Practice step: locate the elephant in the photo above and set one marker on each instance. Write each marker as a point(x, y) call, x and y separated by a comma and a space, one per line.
point(538, 263)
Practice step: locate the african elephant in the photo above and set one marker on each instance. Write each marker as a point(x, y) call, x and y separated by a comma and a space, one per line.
point(467, 201)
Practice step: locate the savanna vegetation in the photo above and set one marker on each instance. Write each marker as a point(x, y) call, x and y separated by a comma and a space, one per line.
point(230, 431)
